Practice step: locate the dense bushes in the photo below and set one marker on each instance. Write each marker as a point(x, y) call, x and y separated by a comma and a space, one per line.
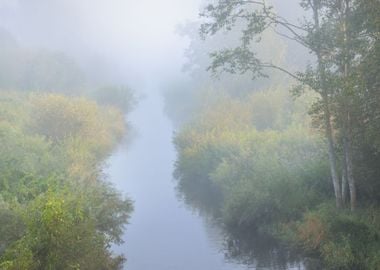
point(254, 160)
point(271, 180)
point(56, 210)
point(265, 170)
point(87, 131)
point(344, 240)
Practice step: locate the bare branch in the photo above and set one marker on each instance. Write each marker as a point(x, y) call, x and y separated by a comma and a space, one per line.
point(302, 42)
point(291, 74)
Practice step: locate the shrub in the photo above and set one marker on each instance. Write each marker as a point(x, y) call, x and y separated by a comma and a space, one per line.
point(343, 240)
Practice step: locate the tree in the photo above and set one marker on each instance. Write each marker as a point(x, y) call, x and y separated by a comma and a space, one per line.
point(259, 17)
point(342, 35)
point(351, 42)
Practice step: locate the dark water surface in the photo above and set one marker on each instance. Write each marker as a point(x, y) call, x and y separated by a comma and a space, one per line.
point(163, 233)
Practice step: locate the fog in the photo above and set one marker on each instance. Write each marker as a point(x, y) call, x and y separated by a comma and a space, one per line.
point(189, 134)
point(121, 41)
point(135, 40)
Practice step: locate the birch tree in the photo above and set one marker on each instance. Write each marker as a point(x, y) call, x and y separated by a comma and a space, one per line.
point(260, 17)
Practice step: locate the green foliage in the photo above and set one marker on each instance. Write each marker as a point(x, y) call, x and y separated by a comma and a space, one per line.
point(249, 156)
point(56, 209)
point(62, 233)
point(58, 118)
point(259, 179)
point(343, 36)
point(67, 121)
point(344, 240)
point(24, 161)
point(12, 226)
point(258, 166)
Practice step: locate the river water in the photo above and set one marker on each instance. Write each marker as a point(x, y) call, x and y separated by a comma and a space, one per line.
point(163, 233)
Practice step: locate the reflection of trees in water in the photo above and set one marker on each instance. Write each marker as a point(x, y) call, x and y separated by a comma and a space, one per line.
point(260, 251)
point(200, 194)
point(256, 251)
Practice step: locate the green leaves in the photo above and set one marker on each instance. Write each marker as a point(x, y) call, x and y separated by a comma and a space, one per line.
point(56, 210)
point(239, 60)
point(249, 156)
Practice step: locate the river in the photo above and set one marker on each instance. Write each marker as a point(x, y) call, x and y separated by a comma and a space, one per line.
point(163, 233)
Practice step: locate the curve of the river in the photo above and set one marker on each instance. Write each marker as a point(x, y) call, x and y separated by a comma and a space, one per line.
point(163, 234)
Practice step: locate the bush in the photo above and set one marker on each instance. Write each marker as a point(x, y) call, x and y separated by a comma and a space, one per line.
point(249, 169)
point(343, 240)
point(56, 210)
point(84, 131)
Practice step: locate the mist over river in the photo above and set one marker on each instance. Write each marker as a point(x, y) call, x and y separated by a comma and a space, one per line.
point(164, 233)
point(189, 135)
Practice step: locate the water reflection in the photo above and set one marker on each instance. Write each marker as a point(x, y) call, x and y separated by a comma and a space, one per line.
point(163, 234)
point(255, 251)
point(199, 195)
point(261, 251)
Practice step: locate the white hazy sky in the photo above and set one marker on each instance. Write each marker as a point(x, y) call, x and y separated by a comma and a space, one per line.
point(134, 39)
point(137, 37)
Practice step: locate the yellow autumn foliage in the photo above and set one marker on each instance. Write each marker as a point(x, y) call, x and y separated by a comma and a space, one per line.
point(87, 131)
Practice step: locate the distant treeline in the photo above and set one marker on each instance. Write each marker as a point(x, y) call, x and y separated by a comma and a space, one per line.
point(36, 70)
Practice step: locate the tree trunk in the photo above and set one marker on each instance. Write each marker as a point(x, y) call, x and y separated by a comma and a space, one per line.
point(347, 130)
point(332, 158)
point(350, 173)
point(344, 173)
point(348, 177)
point(326, 110)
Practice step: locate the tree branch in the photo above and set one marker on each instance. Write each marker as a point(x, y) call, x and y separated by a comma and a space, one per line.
point(270, 65)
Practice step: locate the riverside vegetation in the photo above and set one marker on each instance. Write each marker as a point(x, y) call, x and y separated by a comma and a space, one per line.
point(300, 164)
point(57, 210)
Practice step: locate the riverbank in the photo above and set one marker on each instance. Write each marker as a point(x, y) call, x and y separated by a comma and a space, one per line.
point(259, 167)
point(57, 211)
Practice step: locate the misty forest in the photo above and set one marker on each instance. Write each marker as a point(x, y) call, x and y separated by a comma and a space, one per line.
point(190, 134)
